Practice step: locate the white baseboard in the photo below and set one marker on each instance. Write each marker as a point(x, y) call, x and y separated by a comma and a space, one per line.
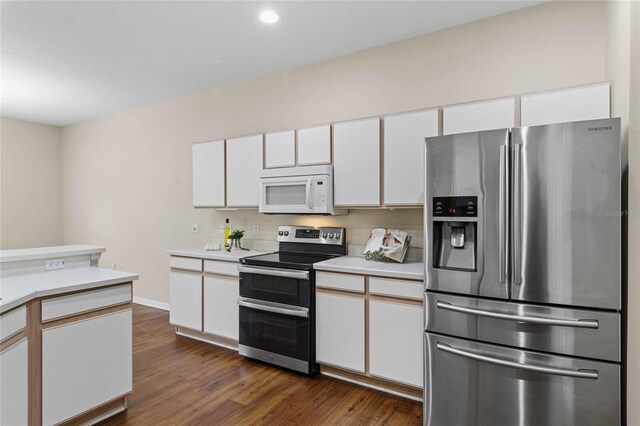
point(151, 303)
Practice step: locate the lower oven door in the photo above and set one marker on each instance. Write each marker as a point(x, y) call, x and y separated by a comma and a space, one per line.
point(275, 333)
point(473, 383)
point(286, 286)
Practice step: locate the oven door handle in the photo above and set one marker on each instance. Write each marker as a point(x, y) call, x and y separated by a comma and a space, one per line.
point(274, 272)
point(300, 312)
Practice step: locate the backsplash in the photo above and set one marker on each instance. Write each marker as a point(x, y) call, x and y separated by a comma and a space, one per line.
point(358, 223)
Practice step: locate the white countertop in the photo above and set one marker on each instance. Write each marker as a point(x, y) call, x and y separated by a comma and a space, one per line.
point(19, 289)
point(410, 269)
point(48, 252)
point(233, 256)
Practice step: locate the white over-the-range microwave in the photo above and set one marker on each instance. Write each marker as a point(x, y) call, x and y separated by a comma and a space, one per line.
point(298, 190)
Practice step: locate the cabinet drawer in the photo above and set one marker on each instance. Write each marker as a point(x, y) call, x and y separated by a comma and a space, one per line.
point(74, 304)
point(13, 322)
point(188, 263)
point(398, 288)
point(340, 281)
point(221, 268)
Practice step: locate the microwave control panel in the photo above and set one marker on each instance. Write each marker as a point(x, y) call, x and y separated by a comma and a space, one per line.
point(319, 193)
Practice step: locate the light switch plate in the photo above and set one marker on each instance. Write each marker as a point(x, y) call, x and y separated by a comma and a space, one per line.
point(195, 228)
point(256, 229)
point(50, 265)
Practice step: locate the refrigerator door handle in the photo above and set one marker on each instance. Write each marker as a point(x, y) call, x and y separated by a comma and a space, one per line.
point(502, 215)
point(583, 374)
point(578, 323)
point(517, 213)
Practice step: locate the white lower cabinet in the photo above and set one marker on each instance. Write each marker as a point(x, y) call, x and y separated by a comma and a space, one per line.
point(85, 364)
point(14, 379)
point(185, 299)
point(221, 306)
point(340, 331)
point(395, 342)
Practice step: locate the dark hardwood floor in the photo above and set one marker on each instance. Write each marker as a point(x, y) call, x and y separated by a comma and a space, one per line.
point(180, 381)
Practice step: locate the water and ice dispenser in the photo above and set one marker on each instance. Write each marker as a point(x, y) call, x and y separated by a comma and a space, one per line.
point(455, 223)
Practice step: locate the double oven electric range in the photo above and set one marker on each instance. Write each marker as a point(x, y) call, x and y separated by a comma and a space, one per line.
point(277, 297)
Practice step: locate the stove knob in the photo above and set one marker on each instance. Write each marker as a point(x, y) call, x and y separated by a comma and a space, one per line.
point(286, 233)
point(324, 235)
point(338, 236)
point(331, 235)
point(280, 233)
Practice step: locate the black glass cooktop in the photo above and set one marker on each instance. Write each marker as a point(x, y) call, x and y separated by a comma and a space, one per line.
point(288, 260)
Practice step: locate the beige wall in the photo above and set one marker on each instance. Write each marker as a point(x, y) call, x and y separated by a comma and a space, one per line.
point(127, 177)
point(30, 184)
point(623, 70)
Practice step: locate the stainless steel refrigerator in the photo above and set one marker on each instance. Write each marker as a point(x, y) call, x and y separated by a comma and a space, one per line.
point(523, 301)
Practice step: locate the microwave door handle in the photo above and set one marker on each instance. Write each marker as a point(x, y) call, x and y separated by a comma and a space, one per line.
point(309, 198)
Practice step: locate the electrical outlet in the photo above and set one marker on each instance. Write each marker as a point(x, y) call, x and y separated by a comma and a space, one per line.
point(195, 228)
point(256, 229)
point(50, 265)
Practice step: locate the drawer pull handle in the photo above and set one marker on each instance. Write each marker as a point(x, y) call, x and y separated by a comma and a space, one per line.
point(579, 323)
point(582, 374)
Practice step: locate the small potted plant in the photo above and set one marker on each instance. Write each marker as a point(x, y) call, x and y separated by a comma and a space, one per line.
point(234, 240)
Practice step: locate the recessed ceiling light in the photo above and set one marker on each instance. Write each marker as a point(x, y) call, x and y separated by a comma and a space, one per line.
point(269, 17)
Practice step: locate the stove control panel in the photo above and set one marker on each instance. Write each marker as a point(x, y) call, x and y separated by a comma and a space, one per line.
point(306, 234)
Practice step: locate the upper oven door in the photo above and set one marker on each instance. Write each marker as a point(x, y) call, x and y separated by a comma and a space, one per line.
point(292, 194)
point(286, 286)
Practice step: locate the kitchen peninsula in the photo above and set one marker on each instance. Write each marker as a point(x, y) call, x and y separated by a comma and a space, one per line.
point(65, 336)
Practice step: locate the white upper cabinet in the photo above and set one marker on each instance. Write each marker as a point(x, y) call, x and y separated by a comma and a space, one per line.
point(208, 174)
point(244, 163)
point(356, 163)
point(577, 104)
point(404, 155)
point(475, 117)
point(314, 145)
point(280, 149)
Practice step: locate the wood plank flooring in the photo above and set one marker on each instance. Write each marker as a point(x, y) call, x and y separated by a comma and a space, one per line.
point(180, 381)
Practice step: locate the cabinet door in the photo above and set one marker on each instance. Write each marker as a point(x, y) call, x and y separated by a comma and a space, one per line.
point(340, 331)
point(185, 299)
point(404, 155)
point(314, 145)
point(85, 364)
point(395, 342)
point(221, 306)
point(208, 174)
point(356, 163)
point(244, 163)
point(280, 149)
point(479, 116)
point(14, 389)
point(581, 103)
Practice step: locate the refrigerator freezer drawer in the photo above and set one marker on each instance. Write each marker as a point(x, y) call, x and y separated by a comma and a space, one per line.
point(576, 332)
point(471, 383)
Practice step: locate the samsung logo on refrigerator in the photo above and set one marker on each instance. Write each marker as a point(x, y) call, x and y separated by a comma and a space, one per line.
point(593, 129)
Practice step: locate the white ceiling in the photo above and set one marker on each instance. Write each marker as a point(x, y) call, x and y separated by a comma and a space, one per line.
point(66, 62)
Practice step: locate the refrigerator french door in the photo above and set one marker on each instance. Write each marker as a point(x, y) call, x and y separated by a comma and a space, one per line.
point(523, 276)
